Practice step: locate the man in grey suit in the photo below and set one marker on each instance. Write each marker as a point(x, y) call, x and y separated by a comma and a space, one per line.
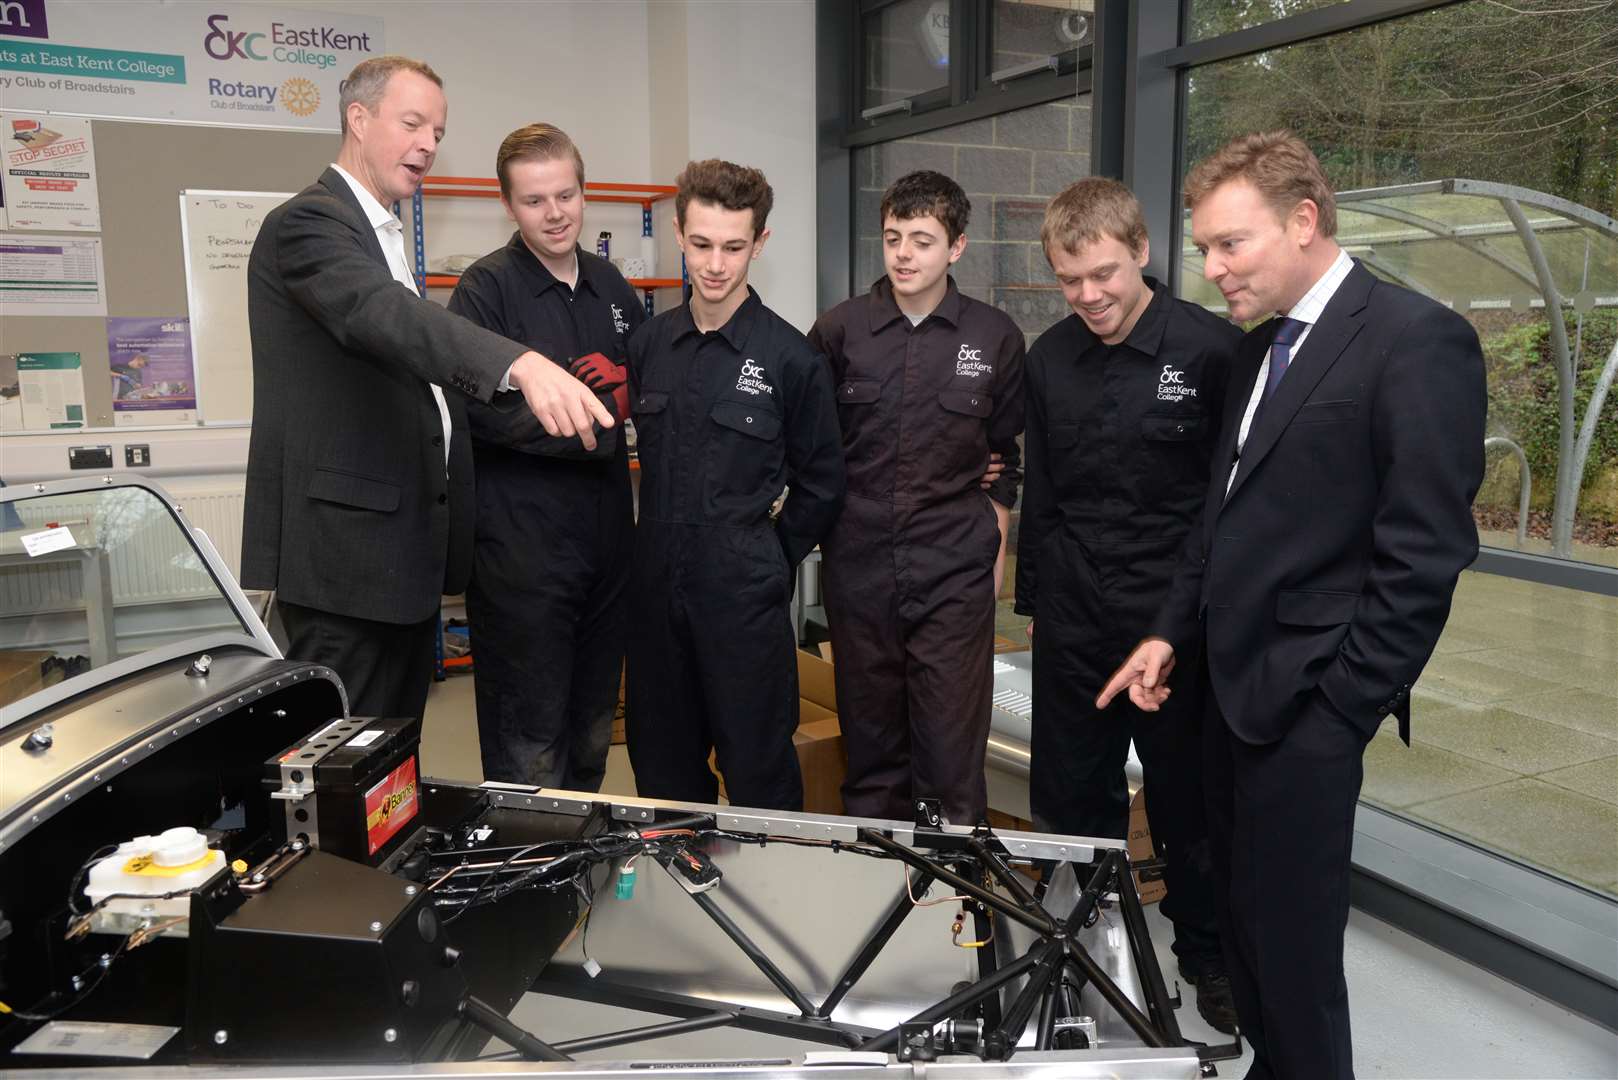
point(359, 474)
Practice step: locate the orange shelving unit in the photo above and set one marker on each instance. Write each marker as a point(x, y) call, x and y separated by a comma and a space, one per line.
point(487, 187)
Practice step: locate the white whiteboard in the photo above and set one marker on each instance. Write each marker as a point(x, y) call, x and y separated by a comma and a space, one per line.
point(217, 230)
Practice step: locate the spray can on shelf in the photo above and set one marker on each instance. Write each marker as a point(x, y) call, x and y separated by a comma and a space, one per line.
point(604, 245)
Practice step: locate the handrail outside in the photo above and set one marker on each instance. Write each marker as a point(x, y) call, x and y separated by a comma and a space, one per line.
point(1525, 483)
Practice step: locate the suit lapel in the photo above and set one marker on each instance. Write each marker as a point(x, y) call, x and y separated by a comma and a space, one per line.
point(333, 181)
point(1338, 325)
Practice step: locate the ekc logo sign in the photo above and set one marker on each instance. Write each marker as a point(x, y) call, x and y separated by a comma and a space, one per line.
point(286, 44)
point(23, 18)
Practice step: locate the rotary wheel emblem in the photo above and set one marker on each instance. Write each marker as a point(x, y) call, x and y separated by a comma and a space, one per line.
point(300, 96)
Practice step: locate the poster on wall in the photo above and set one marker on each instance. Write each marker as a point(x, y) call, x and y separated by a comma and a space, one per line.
point(52, 390)
point(245, 65)
point(153, 379)
point(50, 172)
point(51, 275)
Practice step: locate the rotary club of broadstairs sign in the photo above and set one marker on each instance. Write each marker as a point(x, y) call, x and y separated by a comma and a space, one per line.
point(239, 64)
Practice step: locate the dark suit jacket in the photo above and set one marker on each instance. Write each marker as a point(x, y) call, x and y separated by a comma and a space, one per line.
point(1323, 579)
point(348, 508)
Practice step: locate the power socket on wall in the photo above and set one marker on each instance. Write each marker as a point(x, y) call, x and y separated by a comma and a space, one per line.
point(137, 455)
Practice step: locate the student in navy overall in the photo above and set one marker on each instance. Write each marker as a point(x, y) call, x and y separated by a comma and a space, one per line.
point(547, 600)
point(731, 407)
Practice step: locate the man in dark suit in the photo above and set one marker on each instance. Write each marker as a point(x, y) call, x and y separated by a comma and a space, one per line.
point(1338, 519)
point(359, 474)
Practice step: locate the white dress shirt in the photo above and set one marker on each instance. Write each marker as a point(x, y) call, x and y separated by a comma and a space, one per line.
point(390, 234)
point(1306, 311)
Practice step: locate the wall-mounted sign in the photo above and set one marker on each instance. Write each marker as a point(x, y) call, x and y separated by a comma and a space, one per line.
point(245, 65)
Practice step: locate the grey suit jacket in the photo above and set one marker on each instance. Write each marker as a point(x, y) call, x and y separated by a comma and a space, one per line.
point(349, 509)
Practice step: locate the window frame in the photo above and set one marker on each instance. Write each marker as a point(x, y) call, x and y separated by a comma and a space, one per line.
point(970, 95)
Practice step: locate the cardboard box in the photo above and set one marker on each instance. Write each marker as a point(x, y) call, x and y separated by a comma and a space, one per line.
point(821, 757)
point(819, 739)
point(815, 680)
point(20, 673)
point(1140, 850)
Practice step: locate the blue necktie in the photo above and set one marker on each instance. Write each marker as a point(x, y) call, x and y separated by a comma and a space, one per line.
point(1281, 354)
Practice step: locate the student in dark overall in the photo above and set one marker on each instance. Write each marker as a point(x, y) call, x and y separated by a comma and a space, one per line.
point(547, 603)
point(731, 406)
point(1124, 403)
point(929, 383)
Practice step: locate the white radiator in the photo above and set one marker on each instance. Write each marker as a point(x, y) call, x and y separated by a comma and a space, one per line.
point(219, 514)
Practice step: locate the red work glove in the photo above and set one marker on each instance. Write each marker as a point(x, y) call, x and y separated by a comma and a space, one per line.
point(604, 377)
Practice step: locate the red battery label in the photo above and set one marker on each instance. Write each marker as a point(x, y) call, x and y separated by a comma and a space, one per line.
point(391, 804)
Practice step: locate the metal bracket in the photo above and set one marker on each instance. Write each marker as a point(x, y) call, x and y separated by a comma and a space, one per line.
point(903, 105)
point(298, 781)
point(1033, 67)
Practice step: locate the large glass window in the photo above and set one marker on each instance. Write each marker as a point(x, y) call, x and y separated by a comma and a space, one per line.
point(1476, 158)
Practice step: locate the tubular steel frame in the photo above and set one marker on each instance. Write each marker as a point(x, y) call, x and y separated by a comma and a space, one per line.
point(1054, 965)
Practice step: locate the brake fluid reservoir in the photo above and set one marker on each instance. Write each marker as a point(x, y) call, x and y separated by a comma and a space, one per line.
point(131, 885)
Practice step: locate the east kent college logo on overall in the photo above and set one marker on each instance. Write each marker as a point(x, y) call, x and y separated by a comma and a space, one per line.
point(752, 379)
point(969, 363)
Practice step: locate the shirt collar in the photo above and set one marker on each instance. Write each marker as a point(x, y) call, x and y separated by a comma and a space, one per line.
point(1147, 334)
point(542, 277)
point(377, 215)
point(734, 332)
point(885, 309)
point(1313, 305)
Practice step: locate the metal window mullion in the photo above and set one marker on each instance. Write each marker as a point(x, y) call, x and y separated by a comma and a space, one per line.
point(1154, 104)
point(965, 43)
point(1304, 26)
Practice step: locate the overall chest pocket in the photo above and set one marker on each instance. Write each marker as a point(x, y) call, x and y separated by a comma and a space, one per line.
point(858, 392)
point(966, 403)
point(1175, 456)
point(750, 420)
point(1173, 429)
point(649, 411)
point(745, 453)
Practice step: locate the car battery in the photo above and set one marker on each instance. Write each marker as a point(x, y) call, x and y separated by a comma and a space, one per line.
point(353, 788)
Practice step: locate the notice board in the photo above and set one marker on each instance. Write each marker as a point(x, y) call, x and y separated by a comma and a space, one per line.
point(143, 168)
